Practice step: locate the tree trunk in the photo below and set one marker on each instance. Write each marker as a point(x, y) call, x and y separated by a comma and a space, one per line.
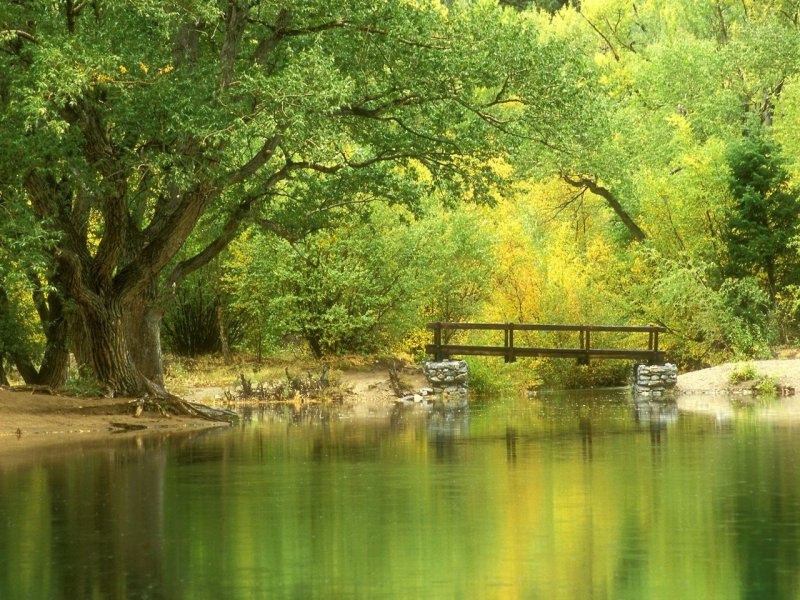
point(55, 363)
point(315, 344)
point(78, 341)
point(223, 334)
point(769, 267)
point(143, 332)
point(3, 378)
point(112, 362)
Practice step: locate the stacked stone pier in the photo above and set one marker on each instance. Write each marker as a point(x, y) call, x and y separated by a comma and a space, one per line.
point(655, 381)
point(448, 378)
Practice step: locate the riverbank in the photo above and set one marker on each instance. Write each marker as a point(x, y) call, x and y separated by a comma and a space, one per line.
point(716, 380)
point(39, 422)
point(36, 425)
point(35, 421)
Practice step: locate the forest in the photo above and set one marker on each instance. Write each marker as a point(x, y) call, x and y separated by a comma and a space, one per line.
point(188, 177)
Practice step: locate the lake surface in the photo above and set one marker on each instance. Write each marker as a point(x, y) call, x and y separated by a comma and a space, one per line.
point(563, 496)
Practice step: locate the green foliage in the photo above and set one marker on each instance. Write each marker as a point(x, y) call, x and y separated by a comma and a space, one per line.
point(455, 263)
point(84, 385)
point(709, 323)
point(490, 376)
point(762, 384)
point(566, 374)
point(743, 372)
point(632, 163)
point(764, 219)
point(362, 286)
point(143, 135)
point(767, 386)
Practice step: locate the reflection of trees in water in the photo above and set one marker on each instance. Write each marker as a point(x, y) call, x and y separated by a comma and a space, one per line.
point(765, 515)
point(102, 518)
point(286, 411)
point(511, 445)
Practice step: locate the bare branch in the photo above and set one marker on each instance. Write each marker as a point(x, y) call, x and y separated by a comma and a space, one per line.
point(7, 33)
point(331, 169)
point(723, 25)
point(602, 35)
point(344, 24)
point(609, 197)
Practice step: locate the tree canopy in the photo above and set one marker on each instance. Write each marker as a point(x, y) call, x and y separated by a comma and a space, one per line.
point(614, 151)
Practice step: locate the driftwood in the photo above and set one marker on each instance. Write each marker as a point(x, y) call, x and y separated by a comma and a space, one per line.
point(36, 389)
point(127, 427)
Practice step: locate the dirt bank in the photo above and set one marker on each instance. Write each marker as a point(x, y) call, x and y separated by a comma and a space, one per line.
point(36, 422)
point(35, 425)
point(716, 379)
point(709, 391)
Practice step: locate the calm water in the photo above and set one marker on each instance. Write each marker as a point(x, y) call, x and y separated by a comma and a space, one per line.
point(558, 497)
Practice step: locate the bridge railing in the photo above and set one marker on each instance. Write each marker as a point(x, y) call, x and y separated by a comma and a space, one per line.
point(583, 351)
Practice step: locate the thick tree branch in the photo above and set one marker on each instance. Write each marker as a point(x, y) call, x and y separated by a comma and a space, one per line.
point(605, 193)
point(163, 247)
point(100, 152)
point(228, 233)
point(39, 301)
point(261, 158)
point(235, 22)
point(72, 269)
point(268, 44)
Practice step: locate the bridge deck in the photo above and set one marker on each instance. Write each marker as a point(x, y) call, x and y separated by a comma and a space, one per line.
point(584, 352)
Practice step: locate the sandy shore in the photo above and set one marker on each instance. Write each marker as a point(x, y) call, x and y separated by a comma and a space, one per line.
point(35, 426)
point(36, 423)
point(716, 379)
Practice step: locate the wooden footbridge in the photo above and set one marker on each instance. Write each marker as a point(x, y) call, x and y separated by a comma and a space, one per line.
point(582, 350)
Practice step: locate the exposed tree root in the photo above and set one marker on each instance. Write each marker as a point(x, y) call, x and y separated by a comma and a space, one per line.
point(169, 404)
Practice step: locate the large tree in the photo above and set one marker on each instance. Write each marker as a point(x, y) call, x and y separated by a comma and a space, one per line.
point(127, 126)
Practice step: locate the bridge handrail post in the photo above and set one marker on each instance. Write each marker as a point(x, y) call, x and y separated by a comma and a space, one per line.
point(656, 359)
point(511, 356)
point(437, 341)
point(588, 342)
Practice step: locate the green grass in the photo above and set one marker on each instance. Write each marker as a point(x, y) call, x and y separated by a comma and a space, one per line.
point(762, 384)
